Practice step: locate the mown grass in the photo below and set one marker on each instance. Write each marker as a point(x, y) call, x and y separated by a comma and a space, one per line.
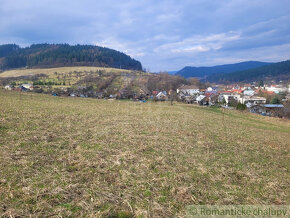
point(87, 157)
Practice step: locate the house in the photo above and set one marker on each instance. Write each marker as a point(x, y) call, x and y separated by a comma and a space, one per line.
point(273, 110)
point(202, 91)
point(27, 86)
point(188, 89)
point(259, 90)
point(249, 92)
point(210, 89)
point(276, 88)
point(204, 101)
point(8, 87)
point(247, 86)
point(213, 99)
point(162, 96)
point(230, 97)
point(199, 98)
point(253, 100)
point(210, 93)
point(238, 91)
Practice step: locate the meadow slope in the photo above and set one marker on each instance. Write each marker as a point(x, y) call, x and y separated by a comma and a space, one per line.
point(61, 70)
point(87, 157)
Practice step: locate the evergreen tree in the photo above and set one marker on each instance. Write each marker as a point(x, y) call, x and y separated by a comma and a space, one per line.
point(275, 100)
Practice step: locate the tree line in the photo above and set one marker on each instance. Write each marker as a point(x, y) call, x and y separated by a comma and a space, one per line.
point(57, 55)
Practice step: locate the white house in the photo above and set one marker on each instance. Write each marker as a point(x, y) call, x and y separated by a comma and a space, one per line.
point(162, 95)
point(209, 89)
point(249, 92)
point(200, 98)
point(276, 88)
point(190, 90)
point(254, 100)
point(8, 87)
point(231, 96)
point(27, 86)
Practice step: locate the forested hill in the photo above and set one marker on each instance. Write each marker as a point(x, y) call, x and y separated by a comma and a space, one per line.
point(59, 55)
point(203, 72)
point(277, 71)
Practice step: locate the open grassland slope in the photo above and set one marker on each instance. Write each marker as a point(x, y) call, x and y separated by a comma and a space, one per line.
point(60, 70)
point(108, 80)
point(87, 157)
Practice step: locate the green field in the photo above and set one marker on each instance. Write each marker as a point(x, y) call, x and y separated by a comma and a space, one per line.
point(87, 157)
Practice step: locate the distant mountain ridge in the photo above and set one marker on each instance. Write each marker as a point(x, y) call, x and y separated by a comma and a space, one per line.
point(276, 71)
point(203, 72)
point(60, 55)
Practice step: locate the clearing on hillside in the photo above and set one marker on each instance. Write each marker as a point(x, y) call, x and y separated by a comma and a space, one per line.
point(87, 157)
point(60, 70)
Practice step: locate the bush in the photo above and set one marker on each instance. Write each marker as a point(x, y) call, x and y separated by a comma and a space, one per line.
point(241, 107)
point(232, 103)
point(275, 100)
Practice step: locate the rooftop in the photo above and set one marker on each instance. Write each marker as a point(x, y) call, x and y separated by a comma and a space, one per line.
point(188, 87)
point(274, 105)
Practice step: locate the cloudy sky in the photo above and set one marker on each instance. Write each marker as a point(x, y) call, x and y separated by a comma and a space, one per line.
point(162, 34)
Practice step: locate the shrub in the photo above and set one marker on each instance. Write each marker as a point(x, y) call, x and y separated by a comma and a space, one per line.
point(241, 107)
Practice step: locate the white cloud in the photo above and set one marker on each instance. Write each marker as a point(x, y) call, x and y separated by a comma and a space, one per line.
point(163, 35)
point(199, 43)
point(126, 47)
point(198, 48)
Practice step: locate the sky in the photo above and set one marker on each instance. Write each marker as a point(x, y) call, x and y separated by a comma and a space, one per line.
point(165, 35)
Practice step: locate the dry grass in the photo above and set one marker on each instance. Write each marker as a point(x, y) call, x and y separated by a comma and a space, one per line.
point(51, 71)
point(87, 157)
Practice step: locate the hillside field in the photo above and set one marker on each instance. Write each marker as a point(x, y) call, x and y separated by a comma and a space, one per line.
point(60, 70)
point(62, 156)
point(93, 79)
point(69, 75)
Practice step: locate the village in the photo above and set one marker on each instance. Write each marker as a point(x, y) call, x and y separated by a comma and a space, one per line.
point(267, 100)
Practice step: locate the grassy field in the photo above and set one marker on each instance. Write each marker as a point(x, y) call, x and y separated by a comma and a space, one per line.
point(51, 71)
point(87, 157)
point(65, 76)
